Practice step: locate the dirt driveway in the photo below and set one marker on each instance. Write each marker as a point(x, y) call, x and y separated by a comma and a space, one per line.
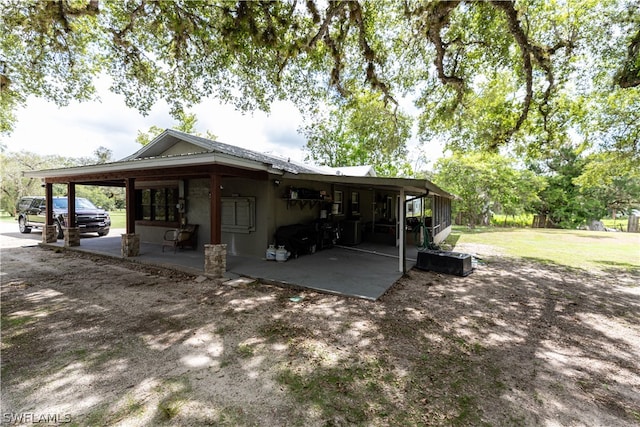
point(93, 341)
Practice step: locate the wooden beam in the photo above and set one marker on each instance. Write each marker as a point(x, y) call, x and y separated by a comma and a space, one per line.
point(48, 194)
point(71, 208)
point(215, 209)
point(130, 205)
point(186, 172)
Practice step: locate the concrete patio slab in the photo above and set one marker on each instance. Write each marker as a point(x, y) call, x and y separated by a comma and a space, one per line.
point(364, 271)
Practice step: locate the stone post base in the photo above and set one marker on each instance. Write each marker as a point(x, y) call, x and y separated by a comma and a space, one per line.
point(215, 260)
point(72, 237)
point(49, 234)
point(130, 245)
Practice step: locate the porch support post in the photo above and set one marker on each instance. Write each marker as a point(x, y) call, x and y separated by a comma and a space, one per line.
point(130, 241)
point(50, 234)
point(71, 205)
point(215, 260)
point(131, 205)
point(215, 253)
point(71, 231)
point(402, 267)
point(216, 209)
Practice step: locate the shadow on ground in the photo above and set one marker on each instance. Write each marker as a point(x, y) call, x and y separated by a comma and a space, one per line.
point(514, 343)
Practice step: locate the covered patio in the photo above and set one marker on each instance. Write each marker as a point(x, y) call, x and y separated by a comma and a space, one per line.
point(372, 267)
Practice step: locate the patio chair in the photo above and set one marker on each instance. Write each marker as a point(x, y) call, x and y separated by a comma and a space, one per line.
point(186, 236)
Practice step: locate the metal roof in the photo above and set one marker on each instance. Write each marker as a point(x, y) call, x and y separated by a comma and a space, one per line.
point(153, 156)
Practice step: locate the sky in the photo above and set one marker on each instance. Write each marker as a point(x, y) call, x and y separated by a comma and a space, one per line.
point(78, 129)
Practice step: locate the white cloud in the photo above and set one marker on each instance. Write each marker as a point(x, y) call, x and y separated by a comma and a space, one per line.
point(80, 128)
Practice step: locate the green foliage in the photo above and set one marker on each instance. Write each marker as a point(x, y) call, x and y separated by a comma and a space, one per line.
point(103, 154)
point(520, 221)
point(365, 132)
point(186, 122)
point(145, 138)
point(565, 203)
point(15, 185)
point(612, 179)
point(485, 74)
point(486, 183)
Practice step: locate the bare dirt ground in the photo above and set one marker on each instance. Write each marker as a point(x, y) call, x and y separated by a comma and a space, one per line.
point(93, 341)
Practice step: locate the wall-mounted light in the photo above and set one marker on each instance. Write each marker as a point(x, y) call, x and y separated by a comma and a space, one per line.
point(276, 182)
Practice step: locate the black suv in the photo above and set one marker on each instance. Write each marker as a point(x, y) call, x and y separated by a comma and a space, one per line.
point(89, 218)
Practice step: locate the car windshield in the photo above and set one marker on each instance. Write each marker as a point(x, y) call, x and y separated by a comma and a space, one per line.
point(81, 203)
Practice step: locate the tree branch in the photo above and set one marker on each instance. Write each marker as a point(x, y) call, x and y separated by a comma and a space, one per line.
point(629, 75)
point(437, 19)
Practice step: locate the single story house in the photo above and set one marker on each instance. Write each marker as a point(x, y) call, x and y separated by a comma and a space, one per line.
point(241, 198)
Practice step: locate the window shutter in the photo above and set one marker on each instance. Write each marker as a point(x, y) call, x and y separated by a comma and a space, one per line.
point(238, 214)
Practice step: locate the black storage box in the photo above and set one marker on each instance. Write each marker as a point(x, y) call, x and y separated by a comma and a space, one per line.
point(455, 263)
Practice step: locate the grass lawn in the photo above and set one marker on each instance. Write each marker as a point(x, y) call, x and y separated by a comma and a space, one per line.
point(118, 219)
point(571, 248)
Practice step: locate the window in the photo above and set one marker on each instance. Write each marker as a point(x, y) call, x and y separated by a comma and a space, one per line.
point(337, 203)
point(238, 214)
point(157, 204)
point(355, 203)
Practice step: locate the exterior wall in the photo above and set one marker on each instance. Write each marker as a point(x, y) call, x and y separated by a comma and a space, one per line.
point(182, 147)
point(255, 242)
point(289, 212)
point(442, 235)
point(197, 212)
point(151, 234)
point(197, 205)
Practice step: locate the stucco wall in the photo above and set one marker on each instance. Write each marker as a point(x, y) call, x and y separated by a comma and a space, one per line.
point(287, 213)
point(255, 242)
point(150, 234)
point(198, 205)
point(197, 212)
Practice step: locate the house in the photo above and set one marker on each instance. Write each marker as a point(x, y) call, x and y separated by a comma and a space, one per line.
point(240, 198)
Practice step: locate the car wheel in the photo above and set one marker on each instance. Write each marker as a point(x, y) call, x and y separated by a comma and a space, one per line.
point(59, 230)
point(22, 223)
point(103, 233)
